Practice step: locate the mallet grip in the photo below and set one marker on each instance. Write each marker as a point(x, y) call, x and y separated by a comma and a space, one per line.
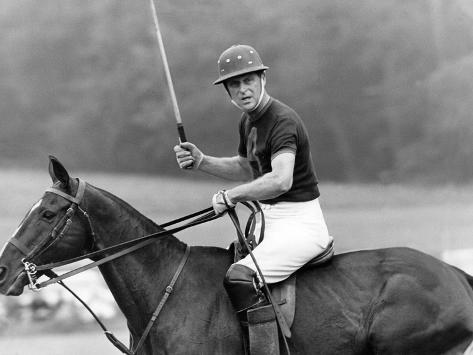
point(182, 134)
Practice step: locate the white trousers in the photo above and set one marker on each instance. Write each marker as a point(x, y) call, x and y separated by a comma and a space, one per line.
point(295, 232)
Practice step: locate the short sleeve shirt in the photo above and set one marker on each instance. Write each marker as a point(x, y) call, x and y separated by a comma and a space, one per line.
point(277, 129)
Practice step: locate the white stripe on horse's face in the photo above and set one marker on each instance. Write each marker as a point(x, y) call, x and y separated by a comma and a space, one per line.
point(3, 248)
point(35, 206)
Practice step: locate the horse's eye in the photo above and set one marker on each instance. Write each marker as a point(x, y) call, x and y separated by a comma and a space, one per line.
point(48, 215)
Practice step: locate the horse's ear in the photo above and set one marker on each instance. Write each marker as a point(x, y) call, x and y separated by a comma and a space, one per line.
point(58, 172)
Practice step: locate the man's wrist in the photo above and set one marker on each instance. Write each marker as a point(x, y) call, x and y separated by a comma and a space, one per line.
point(230, 198)
point(199, 161)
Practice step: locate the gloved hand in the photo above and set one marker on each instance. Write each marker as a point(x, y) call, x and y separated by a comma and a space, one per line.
point(188, 156)
point(221, 202)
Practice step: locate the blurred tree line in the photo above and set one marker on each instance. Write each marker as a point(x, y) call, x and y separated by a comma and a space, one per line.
point(384, 86)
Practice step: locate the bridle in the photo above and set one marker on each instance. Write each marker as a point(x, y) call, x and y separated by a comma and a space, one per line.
point(118, 250)
point(61, 227)
point(56, 234)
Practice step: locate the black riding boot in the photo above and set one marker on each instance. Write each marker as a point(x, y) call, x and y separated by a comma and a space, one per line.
point(255, 314)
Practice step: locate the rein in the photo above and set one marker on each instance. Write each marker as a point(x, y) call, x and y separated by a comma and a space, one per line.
point(124, 248)
point(120, 249)
point(117, 249)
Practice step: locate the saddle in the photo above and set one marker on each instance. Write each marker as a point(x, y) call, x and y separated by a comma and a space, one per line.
point(263, 321)
point(284, 292)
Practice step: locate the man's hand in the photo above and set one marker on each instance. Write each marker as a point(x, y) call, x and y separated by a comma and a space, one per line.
point(188, 156)
point(221, 202)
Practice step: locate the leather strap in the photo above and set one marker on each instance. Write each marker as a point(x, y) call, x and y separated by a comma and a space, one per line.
point(167, 292)
point(91, 265)
point(19, 245)
point(110, 336)
point(122, 247)
point(74, 199)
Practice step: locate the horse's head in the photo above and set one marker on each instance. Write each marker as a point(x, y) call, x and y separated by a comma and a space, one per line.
point(55, 228)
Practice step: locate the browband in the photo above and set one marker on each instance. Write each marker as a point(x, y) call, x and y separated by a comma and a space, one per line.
point(74, 199)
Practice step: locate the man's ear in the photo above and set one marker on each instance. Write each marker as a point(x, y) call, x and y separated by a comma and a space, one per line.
point(58, 172)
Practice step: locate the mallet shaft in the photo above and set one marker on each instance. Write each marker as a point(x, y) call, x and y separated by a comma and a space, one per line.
point(175, 106)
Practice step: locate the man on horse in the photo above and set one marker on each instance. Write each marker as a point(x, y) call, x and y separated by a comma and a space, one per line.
point(274, 158)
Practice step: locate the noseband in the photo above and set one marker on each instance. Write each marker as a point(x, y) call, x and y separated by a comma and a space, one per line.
point(54, 236)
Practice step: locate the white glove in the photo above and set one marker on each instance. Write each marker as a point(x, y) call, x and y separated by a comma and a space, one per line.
point(188, 156)
point(221, 202)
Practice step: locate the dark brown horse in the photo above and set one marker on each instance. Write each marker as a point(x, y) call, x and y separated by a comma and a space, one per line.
point(389, 301)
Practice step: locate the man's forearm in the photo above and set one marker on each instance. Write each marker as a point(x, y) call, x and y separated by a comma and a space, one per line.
point(232, 168)
point(265, 187)
point(270, 185)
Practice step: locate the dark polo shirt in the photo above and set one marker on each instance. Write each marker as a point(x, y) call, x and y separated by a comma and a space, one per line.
point(275, 129)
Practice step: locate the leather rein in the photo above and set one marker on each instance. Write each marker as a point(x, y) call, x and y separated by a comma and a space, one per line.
point(116, 251)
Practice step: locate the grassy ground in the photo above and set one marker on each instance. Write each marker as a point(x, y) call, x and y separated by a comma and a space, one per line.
point(78, 343)
point(431, 219)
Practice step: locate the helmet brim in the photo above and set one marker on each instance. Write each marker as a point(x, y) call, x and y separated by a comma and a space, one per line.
point(240, 72)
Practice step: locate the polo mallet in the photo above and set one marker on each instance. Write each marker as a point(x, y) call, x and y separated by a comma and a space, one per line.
point(177, 115)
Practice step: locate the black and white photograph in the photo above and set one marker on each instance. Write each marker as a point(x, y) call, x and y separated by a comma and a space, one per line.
point(202, 177)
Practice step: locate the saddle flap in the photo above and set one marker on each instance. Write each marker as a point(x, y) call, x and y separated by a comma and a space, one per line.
point(284, 293)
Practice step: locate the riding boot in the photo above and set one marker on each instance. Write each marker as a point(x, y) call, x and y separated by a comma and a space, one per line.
point(255, 315)
point(242, 288)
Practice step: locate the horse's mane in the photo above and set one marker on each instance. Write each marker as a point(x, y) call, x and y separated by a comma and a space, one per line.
point(128, 208)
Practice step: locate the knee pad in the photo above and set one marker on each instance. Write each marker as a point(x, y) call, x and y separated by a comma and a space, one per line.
point(241, 285)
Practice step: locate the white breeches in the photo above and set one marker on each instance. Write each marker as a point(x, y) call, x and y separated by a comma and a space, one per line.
point(295, 232)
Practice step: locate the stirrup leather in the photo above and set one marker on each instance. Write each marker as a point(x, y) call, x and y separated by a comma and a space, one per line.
point(263, 331)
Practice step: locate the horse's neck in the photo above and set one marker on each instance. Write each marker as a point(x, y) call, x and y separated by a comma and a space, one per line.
point(136, 278)
point(115, 220)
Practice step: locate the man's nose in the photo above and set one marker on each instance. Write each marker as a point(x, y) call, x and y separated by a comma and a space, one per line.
point(243, 87)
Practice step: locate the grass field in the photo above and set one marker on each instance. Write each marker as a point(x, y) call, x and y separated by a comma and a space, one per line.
point(79, 343)
point(359, 216)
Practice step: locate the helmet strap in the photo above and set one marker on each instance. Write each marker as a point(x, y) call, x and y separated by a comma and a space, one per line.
point(263, 90)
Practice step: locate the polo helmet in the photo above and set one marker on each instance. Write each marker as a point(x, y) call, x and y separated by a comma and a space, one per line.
point(237, 60)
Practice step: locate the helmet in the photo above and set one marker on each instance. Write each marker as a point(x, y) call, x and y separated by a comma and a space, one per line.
point(237, 60)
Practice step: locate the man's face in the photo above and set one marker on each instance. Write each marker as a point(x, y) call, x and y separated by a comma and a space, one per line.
point(245, 90)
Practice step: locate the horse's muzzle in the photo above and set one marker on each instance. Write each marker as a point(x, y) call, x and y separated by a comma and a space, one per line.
point(12, 286)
